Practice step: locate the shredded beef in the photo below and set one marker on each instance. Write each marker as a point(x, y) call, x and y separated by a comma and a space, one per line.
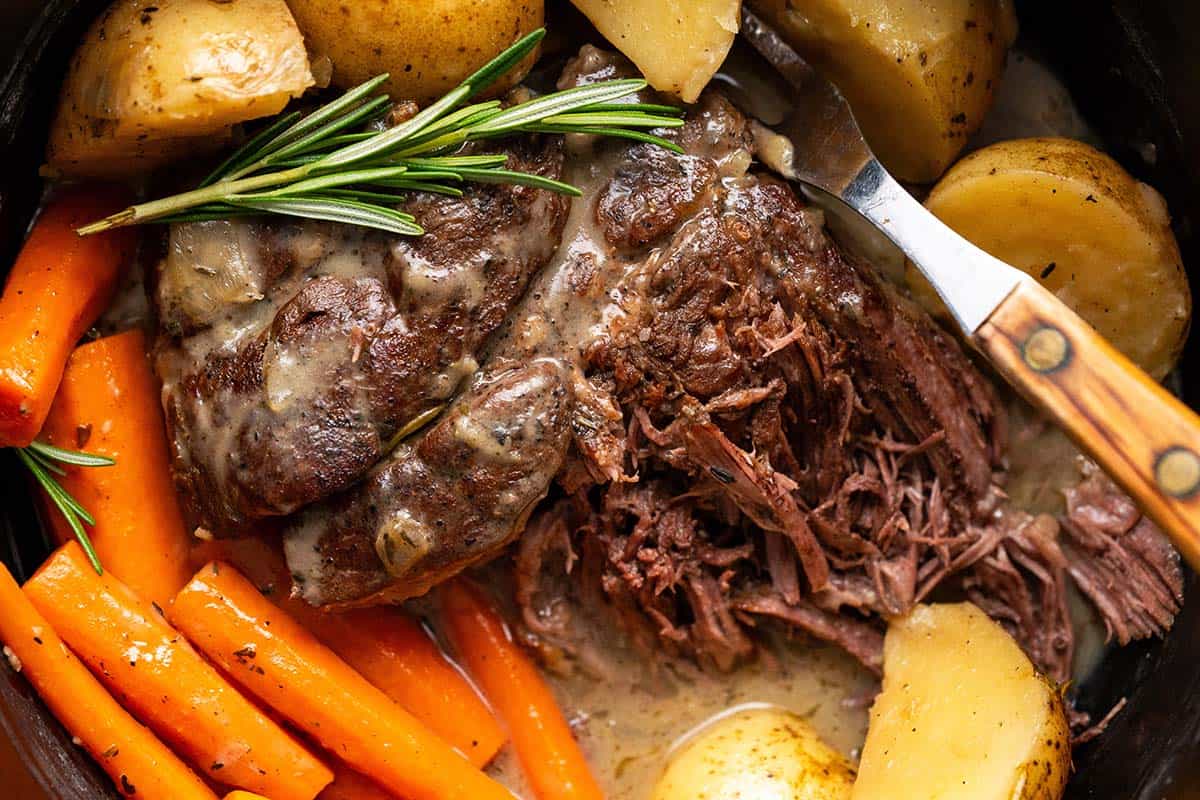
point(798, 443)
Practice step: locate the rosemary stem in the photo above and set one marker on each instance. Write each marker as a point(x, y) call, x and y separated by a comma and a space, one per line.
point(197, 197)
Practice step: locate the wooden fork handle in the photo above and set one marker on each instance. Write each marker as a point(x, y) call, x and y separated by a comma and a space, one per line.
point(1146, 439)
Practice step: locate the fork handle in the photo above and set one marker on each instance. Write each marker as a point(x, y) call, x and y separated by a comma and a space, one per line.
point(1146, 439)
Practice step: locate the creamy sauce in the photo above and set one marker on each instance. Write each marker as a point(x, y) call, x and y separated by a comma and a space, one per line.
point(579, 291)
point(629, 724)
point(635, 735)
point(215, 277)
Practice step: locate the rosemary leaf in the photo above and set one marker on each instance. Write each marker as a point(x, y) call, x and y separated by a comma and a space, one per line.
point(649, 108)
point(612, 119)
point(42, 462)
point(337, 179)
point(559, 103)
point(332, 209)
point(462, 118)
point(520, 179)
point(433, 188)
point(305, 144)
point(614, 133)
point(73, 457)
point(367, 196)
point(454, 162)
point(46, 463)
point(488, 74)
point(424, 175)
point(246, 153)
point(325, 113)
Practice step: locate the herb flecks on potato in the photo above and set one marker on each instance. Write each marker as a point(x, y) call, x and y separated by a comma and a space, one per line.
point(963, 715)
point(766, 753)
point(154, 80)
point(1073, 218)
point(919, 74)
point(426, 47)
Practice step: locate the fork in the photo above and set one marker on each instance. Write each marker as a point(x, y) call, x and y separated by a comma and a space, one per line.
point(1146, 439)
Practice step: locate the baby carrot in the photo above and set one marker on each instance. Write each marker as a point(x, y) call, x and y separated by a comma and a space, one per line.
point(167, 685)
point(392, 652)
point(385, 646)
point(108, 404)
point(548, 752)
point(139, 764)
point(350, 785)
point(60, 283)
point(286, 668)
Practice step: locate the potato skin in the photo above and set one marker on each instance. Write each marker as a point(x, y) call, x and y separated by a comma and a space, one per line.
point(677, 44)
point(963, 715)
point(919, 74)
point(154, 80)
point(428, 47)
point(758, 752)
point(1073, 218)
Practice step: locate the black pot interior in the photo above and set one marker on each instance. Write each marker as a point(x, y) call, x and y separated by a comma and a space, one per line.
point(1133, 67)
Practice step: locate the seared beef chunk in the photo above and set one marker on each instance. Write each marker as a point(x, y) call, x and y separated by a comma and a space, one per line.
point(464, 489)
point(292, 353)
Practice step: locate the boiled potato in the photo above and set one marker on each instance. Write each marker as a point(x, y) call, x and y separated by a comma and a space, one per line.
point(962, 715)
point(1087, 230)
point(919, 74)
point(677, 44)
point(756, 754)
point(427, 47)
point(156, 80)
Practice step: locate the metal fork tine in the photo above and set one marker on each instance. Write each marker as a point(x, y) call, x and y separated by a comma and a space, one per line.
point(771, 46)
point(830, 150)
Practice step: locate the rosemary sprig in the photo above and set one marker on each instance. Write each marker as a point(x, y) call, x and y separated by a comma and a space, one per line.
point(43, 461)
point(324, 166)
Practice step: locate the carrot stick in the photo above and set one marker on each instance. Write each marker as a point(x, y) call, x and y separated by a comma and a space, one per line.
point(60, 283)
point(167, 685)
point(350, 785)
point(286, 668)
point(395, 655)
point(385, 646)
point(132, 756)
point(548, 752)
point(108, 404)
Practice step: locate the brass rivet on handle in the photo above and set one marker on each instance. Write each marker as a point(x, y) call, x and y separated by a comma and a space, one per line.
point(1046, 349)
point(1177, 472)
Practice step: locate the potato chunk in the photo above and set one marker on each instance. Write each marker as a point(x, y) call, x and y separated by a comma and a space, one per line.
point(760, 753)
point(963, 715)
point(427, 47)
point(919, 74)
point(1085, 228)
point(677, 44)
point(155, 80)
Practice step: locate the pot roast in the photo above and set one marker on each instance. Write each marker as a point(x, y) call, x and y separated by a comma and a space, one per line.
point(693, 409)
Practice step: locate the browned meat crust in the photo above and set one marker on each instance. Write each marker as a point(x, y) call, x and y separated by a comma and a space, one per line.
point(462, 491)
point(292, 353)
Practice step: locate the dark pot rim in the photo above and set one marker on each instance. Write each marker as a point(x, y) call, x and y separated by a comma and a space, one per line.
point(1129, 63)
